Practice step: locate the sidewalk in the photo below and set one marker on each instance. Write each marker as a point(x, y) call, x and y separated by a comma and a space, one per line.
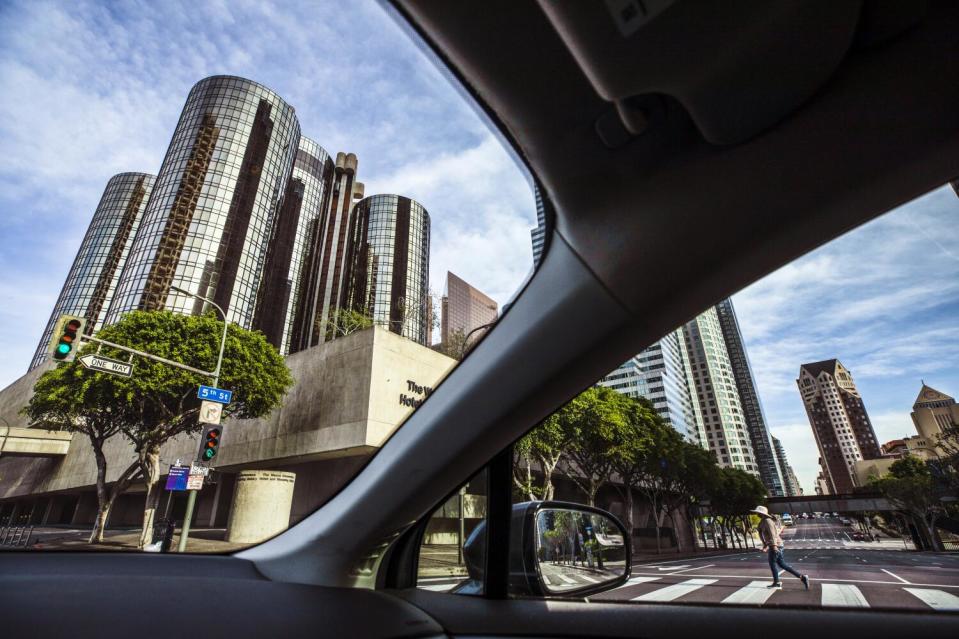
point(202, 540)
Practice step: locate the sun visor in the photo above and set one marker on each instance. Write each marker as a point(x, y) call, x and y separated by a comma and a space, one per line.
point(736, 66)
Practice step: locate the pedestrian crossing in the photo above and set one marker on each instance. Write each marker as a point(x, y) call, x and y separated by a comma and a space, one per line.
point(755, 593)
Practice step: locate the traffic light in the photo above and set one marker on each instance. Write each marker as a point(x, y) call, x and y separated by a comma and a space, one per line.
point(65, 341)
point(209, 443)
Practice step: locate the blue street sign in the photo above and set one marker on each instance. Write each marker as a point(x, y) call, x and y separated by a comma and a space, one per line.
point(177, 478)
point(212, 394)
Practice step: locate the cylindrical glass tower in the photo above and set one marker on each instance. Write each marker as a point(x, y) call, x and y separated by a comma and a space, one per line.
point(92, 280)
point(388, 262)
point(285, 306)
point(210, 218)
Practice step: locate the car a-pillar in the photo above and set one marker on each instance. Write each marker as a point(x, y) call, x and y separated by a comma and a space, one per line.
point(261, 508)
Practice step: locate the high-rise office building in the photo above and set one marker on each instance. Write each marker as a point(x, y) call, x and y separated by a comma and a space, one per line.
point(388, 264)
point(208, 224)
point(92, 280)
point(287, 301)
point(538, 235)
point(662, 374)
point(839, 421)
point(790, 481)
point(769, 469)
point(724, 419)
point(932, 412)
point(465, 309)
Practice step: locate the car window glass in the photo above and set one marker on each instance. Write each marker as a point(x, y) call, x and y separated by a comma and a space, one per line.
point(315, 181)
point(805, 428)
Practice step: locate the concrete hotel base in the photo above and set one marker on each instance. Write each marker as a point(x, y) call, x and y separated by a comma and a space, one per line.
point(261, 505)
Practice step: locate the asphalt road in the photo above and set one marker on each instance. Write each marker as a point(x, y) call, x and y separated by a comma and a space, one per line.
point(842, 573)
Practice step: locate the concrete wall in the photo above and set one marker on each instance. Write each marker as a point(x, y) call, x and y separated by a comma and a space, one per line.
point(346, 401)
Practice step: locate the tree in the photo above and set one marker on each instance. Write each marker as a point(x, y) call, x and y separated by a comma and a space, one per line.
point(592, 424)
point(158, 402)
point(697, 471)
point(659, 466)
point(455, 345)
point(733, 494)
point(910, 486)
point(71, 398)
point(632, 450)
point(345, 321)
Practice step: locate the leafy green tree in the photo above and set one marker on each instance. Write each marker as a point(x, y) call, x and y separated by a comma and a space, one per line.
point(545, 446)
point(158, 402)
point(910, 486)
point(733, 494)
point(593, 424)
point(69, 398)
point(696, 473)
point(632, 450)
point(345, 321)
point(659, 467)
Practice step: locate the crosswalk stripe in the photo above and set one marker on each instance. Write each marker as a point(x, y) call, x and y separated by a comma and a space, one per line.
point(756, 593)
point(843, 595)
point(437, 588)
point(632, 581)
point(937, 599)
point(675, 591)
point(565, 578)
point(589, 579)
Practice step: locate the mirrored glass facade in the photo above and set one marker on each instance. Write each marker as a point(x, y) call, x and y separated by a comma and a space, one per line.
point(388, 259)
point(92, 281)
point(210, 219)
point(287, 300)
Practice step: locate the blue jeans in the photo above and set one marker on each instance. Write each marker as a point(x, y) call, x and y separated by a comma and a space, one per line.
point(777, 561)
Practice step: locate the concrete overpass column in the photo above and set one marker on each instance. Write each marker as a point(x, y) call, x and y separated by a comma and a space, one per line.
point(262, 502)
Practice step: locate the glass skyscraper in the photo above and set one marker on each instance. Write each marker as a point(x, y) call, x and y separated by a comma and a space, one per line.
point(388, 265)
point(724, 419)
point(661, 373)
point(770, 471)
point(210, 218)
point(538, 235)
point(92, 281)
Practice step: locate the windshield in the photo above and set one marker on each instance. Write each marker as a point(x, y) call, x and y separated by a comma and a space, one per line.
point(314, 181)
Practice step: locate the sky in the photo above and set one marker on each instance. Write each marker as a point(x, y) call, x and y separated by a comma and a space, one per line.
point(94, 89)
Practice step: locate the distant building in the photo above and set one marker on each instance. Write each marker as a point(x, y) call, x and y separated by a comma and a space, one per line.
point(724, 418)
point(822, 484)
point(839, 422)
point(932, 412)
point(662, 374)
point(210, 216)
point(770, 472)
point(465, 308)
point(538, 235)
point(790, 482)
point(92, 280)
point(388, 265)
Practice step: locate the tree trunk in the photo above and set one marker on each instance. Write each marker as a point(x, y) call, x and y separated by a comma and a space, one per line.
point(659, 548)
point(150, 464)
point(103, 499)
point(931, 529)
point(628, 505)
point(676, 535)
point(106, 498)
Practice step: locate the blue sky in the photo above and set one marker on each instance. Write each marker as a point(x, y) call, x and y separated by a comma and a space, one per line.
point(94, 89)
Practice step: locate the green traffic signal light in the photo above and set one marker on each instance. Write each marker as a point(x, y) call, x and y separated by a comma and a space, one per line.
point(63, 349)
point(64, 338)
point(211, 442)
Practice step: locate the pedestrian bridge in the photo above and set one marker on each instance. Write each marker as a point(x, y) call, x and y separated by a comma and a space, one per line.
point(858, 502)
point(33, 442)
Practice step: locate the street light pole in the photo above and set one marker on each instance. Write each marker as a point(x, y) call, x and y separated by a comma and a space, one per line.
point(191, 498)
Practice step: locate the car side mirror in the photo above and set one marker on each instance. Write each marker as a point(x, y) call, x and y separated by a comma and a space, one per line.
point(565, 549)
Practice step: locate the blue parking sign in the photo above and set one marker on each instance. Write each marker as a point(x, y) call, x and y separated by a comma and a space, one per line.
point(176, 479)
point(212, 394)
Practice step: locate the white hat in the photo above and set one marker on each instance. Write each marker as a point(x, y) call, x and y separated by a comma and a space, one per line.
point(760, 510)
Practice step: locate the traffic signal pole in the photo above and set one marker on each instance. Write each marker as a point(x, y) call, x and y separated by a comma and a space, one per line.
point(191, 498)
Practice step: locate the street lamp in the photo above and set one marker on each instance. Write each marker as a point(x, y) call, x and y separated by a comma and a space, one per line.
point(191, 498)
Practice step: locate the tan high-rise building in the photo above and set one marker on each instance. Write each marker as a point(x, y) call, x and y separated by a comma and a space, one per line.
point(465, 308)
point(839, 421)
point(932, 412)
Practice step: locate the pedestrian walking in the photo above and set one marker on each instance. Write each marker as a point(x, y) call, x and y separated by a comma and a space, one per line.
point(769, 533)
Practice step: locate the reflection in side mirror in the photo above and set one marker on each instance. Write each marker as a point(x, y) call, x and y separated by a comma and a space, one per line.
point(578, 549)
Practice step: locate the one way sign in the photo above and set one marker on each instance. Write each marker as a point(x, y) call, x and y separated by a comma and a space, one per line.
point(106, 365)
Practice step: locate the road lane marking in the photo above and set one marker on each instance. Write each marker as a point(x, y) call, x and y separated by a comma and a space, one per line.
point(896, 576)
point(676, 561)
point(672, 567)
point(936, 599)
point(669, 593)
point(854, 581)
point(845, 595)
point(692, 569)
point(565, 578)
point(440, 588)
point(755, 593)
point(633, 581)
point(589, 579)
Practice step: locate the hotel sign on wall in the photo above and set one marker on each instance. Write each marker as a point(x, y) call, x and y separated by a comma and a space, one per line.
point(415, 394)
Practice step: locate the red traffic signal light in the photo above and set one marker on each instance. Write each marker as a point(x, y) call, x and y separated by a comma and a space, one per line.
point(66, 338)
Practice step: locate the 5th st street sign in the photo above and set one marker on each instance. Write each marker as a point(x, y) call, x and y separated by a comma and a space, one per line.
point(106, 365)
